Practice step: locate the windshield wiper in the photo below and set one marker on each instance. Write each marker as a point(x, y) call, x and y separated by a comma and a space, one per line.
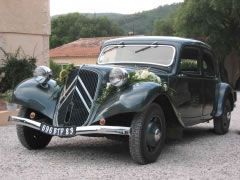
point(147, 47)
point(114, 47)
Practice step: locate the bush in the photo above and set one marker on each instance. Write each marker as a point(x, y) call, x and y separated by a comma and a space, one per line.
point(56, 68)
point(16, 67)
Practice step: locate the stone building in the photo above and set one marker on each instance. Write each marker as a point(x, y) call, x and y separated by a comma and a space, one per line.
point(25, 24)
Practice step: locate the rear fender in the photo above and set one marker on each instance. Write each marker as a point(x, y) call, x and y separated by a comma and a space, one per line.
point(223, 91)
point(33, 96)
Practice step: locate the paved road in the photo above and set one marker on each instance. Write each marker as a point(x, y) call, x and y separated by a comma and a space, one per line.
point(199, 155)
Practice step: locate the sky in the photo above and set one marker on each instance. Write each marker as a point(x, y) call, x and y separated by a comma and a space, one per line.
point(108, 6)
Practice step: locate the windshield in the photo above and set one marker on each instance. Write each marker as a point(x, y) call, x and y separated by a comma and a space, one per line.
point(147, 54)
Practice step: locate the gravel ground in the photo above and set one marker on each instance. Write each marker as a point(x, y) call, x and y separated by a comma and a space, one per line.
point(199, 155)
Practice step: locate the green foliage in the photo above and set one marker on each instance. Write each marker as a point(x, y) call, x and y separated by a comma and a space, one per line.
point(218, 22)
point(16, 67)
point(64, 73)
point(188, 65)
point(70, 27)
point(56, 68)
point(163, 28)
point(7, 96)
point(106, 92)
point(142, 23)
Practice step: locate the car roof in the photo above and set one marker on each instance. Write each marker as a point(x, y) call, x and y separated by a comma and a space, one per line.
point(171, 40)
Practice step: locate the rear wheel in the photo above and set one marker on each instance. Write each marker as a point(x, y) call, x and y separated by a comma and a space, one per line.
point(148, 133)
point(221, 124)
point(31, 138)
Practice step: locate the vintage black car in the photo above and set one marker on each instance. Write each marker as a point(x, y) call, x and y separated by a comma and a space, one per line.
point(140, 88)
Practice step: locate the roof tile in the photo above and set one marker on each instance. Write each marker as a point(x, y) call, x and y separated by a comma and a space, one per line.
point(83, 47)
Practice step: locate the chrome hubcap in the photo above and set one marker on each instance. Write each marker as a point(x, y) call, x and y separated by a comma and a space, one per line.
point(157, 135)
point(153, 134)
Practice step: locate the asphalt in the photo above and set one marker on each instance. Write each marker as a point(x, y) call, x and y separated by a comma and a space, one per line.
point(199, 155)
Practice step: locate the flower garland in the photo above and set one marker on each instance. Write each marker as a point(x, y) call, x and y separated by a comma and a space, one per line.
point(142, 75)
point(107, 91)
point(63, 75)
point(61, 80)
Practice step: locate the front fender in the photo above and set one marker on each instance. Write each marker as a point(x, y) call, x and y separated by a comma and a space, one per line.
point(223, 90)
point(133, 99)
point(32, 95)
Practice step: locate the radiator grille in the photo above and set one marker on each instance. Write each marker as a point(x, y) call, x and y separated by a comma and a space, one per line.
point(77, 98)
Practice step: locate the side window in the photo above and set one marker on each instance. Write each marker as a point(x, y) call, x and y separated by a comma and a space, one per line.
point(189, 61)
point(208, 64)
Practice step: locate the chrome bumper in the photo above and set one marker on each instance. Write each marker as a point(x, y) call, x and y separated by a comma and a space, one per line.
point(116, 130)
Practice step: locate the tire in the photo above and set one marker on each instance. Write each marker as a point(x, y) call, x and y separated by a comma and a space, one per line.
point(148, 133)
point(31, 138)
point(221, 124)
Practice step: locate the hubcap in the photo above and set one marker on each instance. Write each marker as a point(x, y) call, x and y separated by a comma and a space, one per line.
point(157, 135)
point(153, 134)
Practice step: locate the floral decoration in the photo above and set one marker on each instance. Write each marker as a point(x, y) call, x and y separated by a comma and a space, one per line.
point(142, 75)
point(63, 75)
point(61, 80)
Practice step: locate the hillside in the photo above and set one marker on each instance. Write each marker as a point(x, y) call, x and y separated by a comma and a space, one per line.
point(69, 27)
point(140, 23)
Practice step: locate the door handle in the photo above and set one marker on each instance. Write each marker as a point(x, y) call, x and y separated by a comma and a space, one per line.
point(181, 75)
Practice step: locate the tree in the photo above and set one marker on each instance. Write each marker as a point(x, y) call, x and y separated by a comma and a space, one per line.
point(218, 22)
point(163, 28)
point(70, 27)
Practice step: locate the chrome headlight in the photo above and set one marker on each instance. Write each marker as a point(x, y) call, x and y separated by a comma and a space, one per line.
point(42, 74)
point(118, 77)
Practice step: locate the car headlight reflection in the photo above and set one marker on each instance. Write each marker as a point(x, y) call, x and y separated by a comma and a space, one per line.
point(42, 74)
point(118, 77)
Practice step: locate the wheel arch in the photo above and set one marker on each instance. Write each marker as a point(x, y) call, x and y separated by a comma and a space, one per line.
point(30, 95)
point(224, 91)
point(170, 113)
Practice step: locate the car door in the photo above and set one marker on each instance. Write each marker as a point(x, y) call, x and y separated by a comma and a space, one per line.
point(209, 73)
point(187, 86)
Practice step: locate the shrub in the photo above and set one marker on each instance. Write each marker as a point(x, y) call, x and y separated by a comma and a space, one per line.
point(56, 68)
point(16, 67)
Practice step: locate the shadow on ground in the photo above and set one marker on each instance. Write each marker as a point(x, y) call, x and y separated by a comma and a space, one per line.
point(100, 148)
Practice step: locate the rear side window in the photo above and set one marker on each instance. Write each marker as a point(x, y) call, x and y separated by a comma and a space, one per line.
point(208, 64)
point(189, 61)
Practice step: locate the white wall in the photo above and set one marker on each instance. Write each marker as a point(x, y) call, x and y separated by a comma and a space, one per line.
point(25, 24)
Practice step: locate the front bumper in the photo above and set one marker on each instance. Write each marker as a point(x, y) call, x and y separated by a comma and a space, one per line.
point(81, 130)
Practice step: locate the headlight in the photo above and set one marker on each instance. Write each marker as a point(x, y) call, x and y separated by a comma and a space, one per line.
point(42, 74)
point(118, 77)
point(43, 71)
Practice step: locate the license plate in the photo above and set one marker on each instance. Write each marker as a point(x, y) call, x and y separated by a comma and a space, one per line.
point(58, 131)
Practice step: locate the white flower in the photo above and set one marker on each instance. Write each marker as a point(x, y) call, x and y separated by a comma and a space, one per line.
point(137, 75)
point(151, 74)
point(108, 85)
point(158, 80)
point(144, 74)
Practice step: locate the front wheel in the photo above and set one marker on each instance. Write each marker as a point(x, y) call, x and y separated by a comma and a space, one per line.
point(31, 138)
point(221, 124)
point(148, 133)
